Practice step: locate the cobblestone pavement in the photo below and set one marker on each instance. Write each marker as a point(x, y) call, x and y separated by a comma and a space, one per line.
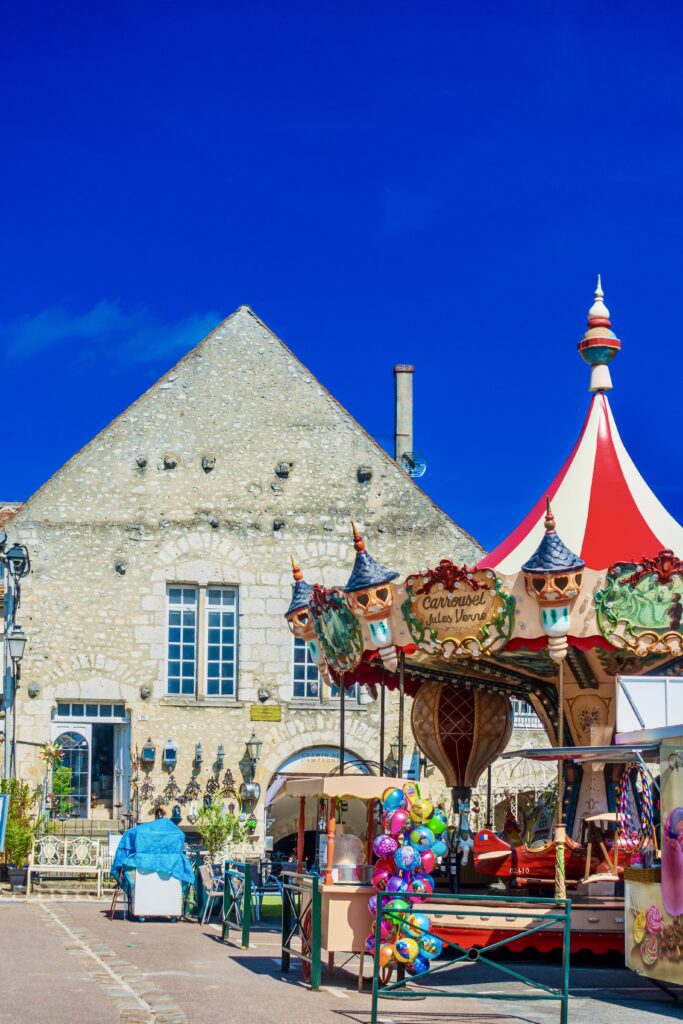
point(64, 962)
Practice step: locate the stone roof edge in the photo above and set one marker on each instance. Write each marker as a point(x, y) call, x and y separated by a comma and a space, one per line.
point(245, 308)
point(383, 452)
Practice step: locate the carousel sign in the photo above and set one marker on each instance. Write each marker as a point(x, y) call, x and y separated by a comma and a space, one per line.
point(462, 611)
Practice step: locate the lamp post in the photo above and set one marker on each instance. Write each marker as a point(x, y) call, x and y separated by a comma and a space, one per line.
point(16, 643)
point(18, 565)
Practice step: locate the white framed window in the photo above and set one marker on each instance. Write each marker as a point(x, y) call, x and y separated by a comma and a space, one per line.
point(306, 678)
point(182, 641)
point(306, 682)
point(221, 641)
point(524, 716)
point(352, 692)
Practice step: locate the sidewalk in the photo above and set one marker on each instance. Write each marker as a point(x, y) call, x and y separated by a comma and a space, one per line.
point(66, 963)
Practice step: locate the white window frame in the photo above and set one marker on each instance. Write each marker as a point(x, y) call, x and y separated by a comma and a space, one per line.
point(182, 586)
point(204, 620)
point(299, 644)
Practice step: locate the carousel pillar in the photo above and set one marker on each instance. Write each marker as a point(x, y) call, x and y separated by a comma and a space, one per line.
point(342, 723)
point(553, 577)
point(401, 710)
point(382, 723)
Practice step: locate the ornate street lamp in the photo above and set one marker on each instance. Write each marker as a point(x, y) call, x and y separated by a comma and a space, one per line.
point(18, 562)
point(16, 643)
point(254, 746)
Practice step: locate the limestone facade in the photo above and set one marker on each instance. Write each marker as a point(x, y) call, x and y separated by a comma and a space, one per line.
point(232, 460)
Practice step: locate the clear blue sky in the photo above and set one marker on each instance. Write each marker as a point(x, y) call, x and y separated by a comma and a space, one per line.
point(436, 183)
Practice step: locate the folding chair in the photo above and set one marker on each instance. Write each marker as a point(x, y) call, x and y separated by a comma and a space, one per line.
point(213, 890)
point(122, 891)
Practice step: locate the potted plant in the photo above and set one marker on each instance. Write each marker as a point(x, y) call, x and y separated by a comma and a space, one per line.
point(23, 824)
point(218, 827)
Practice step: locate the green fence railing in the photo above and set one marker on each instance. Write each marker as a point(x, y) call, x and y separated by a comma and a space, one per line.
point(537, 914)
point(302, 917)
point(237, 901)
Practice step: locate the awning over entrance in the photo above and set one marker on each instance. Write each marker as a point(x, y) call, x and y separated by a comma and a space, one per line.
point(588, 755)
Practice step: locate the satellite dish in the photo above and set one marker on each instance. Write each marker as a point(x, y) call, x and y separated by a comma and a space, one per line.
point(414, 463)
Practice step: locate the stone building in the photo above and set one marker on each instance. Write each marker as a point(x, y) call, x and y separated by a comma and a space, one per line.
point(161, 571)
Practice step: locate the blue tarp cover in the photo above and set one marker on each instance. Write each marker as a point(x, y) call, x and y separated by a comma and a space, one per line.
point(154, 846)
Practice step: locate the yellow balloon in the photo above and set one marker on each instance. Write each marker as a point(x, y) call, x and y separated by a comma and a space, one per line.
point(411, 791)
point(421, 811)
point(405, 950)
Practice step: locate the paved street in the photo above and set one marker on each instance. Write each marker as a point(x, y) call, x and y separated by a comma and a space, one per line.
point(67, 963)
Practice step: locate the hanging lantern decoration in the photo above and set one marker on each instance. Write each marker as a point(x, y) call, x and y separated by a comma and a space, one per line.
point(553, 577)
point(371, 596)
point(462, 730)
point(300, 620)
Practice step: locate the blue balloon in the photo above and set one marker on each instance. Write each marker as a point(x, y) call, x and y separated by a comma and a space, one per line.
point(392, 799)
point(430, 946)
point(420, 965)
point(406, 857)
point(439, 849)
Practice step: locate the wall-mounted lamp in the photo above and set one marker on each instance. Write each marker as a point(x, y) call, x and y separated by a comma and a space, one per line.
point(16, 642)
point(18, 562)
point(197, 754)
point(254, 746)
point(170, 755)
point(148, 754)
point(220, 757)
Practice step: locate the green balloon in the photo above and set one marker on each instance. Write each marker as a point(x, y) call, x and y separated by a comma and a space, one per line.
point(437, 825)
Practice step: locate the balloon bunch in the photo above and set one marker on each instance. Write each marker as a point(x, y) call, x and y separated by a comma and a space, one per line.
point(414, 837)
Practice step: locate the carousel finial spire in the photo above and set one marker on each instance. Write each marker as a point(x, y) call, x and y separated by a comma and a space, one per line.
point(599, 344)
point(296, 570)
point(358, 542)
point(549, 517)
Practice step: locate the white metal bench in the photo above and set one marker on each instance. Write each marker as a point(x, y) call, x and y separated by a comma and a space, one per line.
point(55, 855)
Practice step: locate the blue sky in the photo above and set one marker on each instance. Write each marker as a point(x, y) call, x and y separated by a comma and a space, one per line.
point(388, 182)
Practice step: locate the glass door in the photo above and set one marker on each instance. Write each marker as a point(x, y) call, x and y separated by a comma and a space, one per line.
point(75, 744)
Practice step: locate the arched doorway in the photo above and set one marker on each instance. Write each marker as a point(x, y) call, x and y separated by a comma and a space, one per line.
point(282, 811)
point(76, 756)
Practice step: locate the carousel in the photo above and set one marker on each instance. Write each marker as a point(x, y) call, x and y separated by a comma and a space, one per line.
point(586, 589)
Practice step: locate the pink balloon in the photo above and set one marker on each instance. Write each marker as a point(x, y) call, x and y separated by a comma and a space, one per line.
point(380, 877)
point(427, 861)
point(398, 821)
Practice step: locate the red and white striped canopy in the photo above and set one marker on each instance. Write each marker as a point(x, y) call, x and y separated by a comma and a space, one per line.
point(604, 510)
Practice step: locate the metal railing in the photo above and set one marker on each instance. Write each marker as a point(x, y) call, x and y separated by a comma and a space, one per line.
point(542, 914)
point(302, 917)
point(237, 900)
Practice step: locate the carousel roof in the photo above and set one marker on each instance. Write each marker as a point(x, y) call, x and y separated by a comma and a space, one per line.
point(606, 511)
point(367, 571)
point(301, 591)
